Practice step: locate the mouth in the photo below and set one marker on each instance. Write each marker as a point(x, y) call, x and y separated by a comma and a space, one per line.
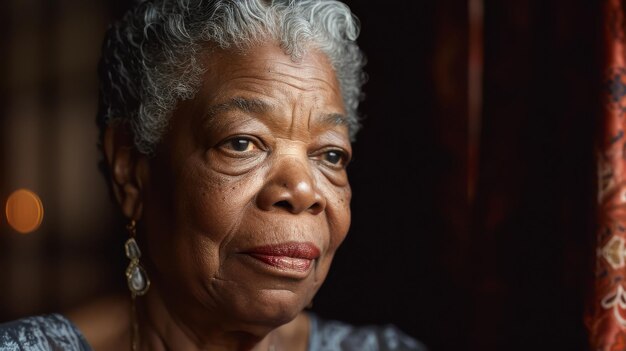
point(293, 257)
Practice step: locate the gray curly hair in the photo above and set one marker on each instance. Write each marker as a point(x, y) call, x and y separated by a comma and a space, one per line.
point(150, 58)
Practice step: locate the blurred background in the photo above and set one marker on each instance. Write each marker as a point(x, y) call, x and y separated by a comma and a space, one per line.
point(48, 85)
point(473, 177)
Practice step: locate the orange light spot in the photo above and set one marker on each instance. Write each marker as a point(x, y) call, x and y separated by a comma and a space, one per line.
point(24, 211)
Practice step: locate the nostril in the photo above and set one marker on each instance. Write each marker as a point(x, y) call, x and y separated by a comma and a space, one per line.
point(284, 204)
point(315, 208)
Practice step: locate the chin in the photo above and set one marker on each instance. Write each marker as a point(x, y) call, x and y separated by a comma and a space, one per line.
point(269, 308)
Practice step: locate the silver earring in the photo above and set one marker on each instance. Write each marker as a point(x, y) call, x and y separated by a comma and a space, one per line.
point(136, 276)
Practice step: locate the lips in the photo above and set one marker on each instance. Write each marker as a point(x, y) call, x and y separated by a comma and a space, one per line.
point(292, 256)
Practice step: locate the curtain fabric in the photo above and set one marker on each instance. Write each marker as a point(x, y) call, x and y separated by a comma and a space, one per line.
point(607, 320)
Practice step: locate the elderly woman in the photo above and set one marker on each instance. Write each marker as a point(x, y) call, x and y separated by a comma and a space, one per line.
point(226, 130)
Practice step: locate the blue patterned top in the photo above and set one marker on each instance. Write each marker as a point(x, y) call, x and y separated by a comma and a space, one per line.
point(42, 333)
point(336, 336)
point(55, 333)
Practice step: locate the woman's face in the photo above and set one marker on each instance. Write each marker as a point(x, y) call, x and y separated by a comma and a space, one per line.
point(247, 198)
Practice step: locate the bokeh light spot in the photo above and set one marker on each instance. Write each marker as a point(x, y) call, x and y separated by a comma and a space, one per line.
point(24, 211)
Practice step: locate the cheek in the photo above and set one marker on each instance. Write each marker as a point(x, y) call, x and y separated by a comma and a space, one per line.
point(338, 209)
point(209, 208)
point(215, 206)
point(338, 216)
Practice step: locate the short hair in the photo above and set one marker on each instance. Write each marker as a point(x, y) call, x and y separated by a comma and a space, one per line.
point(150, 58)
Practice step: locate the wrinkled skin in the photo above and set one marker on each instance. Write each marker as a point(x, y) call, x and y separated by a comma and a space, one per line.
point(256, 158)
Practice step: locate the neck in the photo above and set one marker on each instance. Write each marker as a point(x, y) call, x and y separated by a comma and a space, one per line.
point(160, 329)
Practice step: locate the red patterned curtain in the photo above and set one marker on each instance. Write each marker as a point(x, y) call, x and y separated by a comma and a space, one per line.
point(607, 320)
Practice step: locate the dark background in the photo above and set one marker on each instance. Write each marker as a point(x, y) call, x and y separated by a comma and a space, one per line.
point(507, 271)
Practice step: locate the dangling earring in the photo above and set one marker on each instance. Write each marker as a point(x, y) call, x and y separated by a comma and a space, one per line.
point(136, 276)
point(137, 279)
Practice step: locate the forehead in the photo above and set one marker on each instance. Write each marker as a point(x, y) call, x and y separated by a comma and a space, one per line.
point(266, 71)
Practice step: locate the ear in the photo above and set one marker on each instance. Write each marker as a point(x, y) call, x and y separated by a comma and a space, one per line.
point(125, 169)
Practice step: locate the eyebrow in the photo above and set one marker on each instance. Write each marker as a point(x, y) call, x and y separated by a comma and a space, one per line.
point(258, 106)
point(336, 119)
point(239, 103)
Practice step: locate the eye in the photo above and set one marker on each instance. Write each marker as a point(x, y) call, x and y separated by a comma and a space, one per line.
point(336, 158)
point(333, 156)
point(240, 144)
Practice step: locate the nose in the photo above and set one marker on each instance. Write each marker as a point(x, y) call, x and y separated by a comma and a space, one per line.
point(290, 187)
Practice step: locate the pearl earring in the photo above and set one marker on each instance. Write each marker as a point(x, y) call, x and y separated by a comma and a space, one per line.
point(136, 276)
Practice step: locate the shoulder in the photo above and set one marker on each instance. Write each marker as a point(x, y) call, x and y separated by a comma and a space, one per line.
point(337, 336)
point(49, 332)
